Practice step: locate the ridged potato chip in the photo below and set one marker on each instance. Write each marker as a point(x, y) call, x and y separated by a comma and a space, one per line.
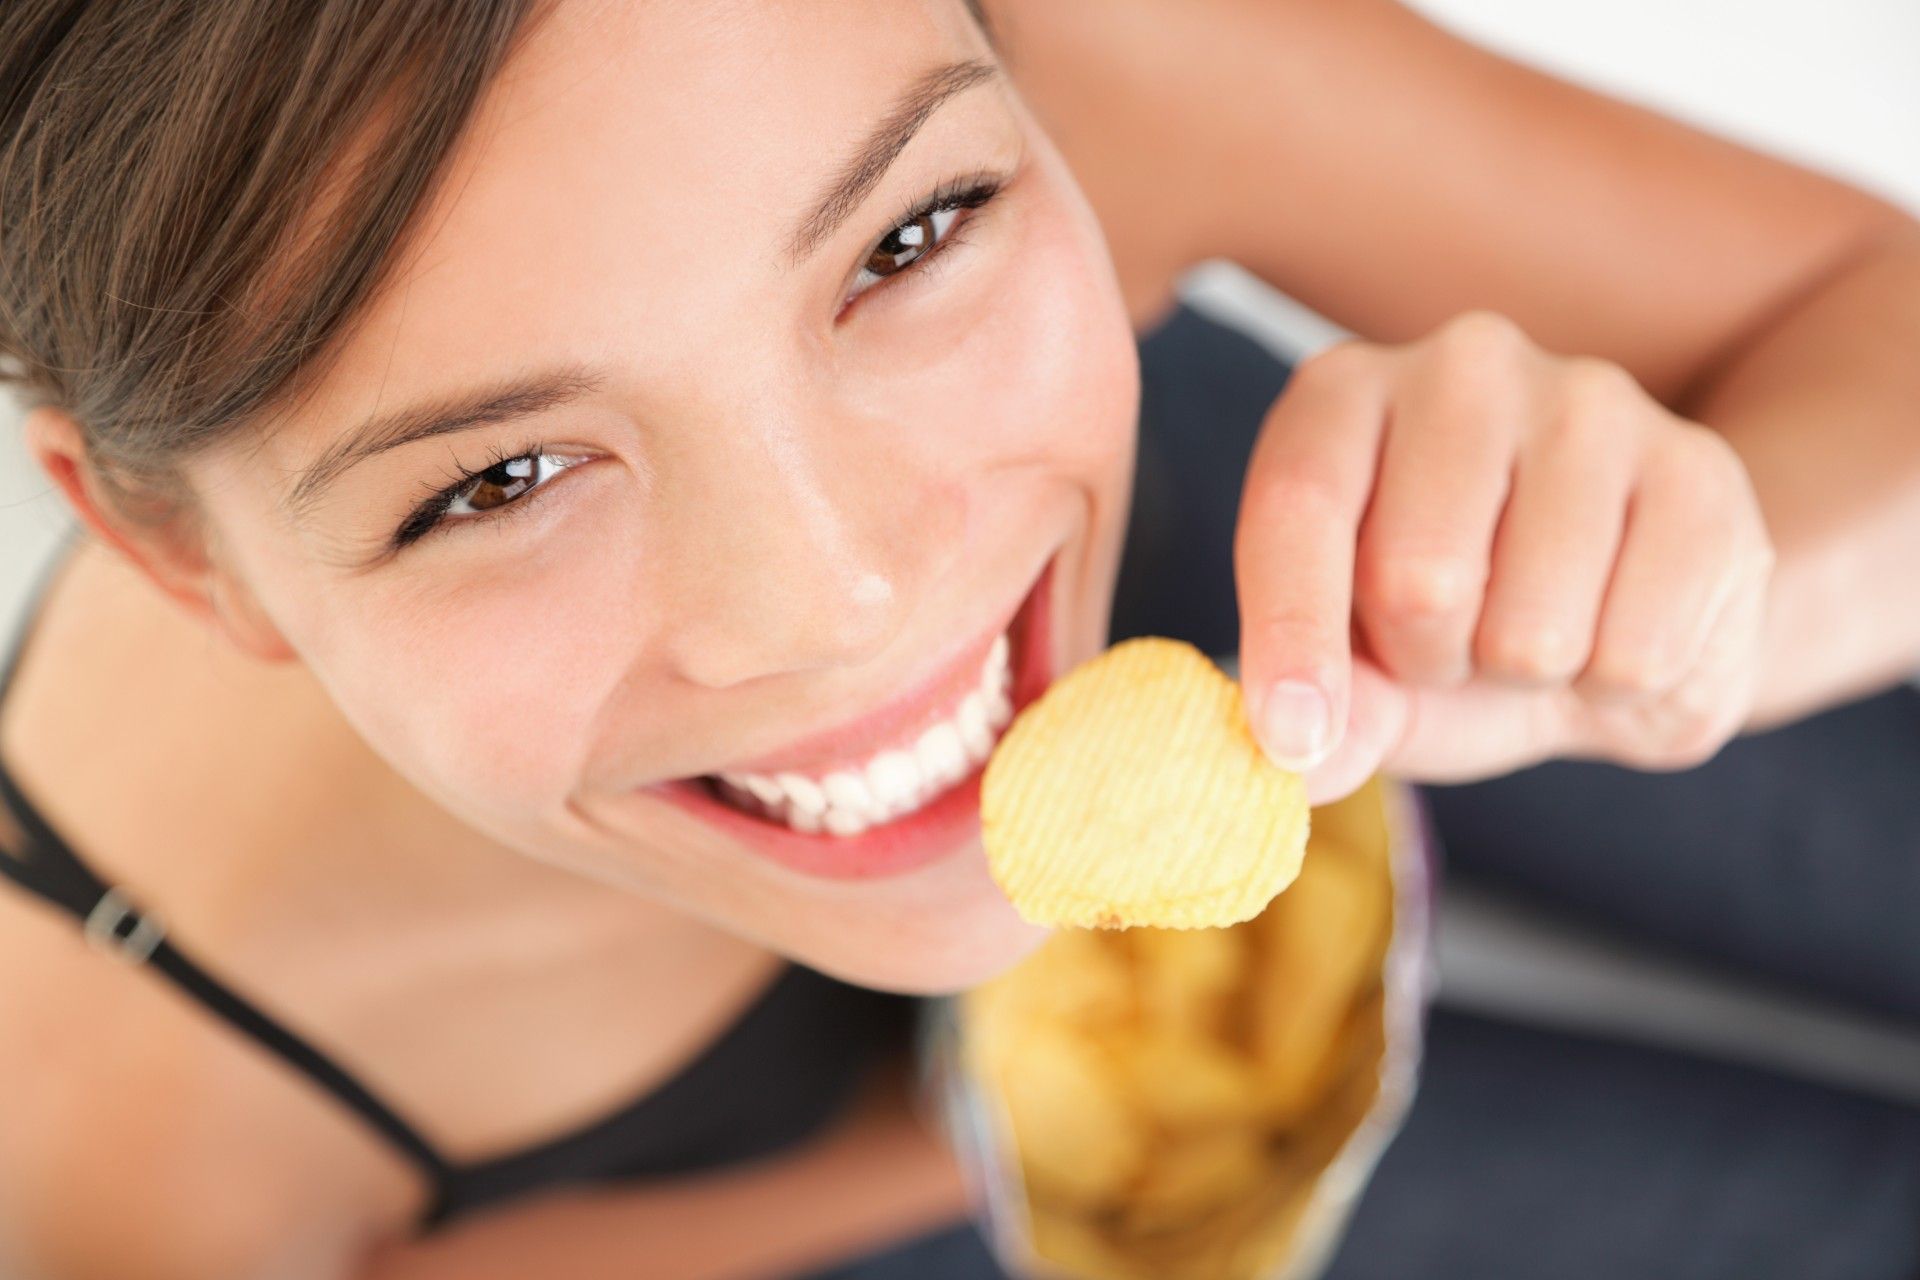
point(1132, 792)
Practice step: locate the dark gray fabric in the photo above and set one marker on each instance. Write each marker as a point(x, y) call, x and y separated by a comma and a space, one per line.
point(1204, 389)
point(1531, 1154)
point(1793, 854)
point(955, 1252)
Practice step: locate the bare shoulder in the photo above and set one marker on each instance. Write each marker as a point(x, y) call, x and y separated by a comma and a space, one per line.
point(144, 1139)
point(127, 1105)
point(128, 718)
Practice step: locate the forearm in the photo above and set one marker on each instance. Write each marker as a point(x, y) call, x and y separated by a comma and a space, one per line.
point(878, 1176)
point(1823, 404)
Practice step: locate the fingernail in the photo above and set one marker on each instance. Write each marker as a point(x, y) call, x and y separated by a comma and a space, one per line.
point(1295, 724)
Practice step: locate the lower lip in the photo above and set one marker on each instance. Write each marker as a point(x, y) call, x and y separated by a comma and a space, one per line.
point(949, 823)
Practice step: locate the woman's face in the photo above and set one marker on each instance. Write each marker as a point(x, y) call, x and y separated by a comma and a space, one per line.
point(813, 453)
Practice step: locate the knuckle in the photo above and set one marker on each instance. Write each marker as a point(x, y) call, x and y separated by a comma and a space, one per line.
point(1338, 362)
point(1586, 422)
point(1483, 329)
point(1304, 490)
point(1420, 588)
point(1479, 341)
point(1635, 670)
point(1707, 463)
point(1691, 737)
point(1596, 390)
point(1533, 650)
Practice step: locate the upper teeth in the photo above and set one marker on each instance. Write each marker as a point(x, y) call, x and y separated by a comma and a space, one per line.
point(898, 780)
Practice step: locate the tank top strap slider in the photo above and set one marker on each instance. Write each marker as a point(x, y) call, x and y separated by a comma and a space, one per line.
point(120, 929)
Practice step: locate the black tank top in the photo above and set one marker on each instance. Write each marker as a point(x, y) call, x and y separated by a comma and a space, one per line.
point(793, 1058)
point(787, 1064)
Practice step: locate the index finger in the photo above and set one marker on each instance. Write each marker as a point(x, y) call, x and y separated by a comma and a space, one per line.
point(1305, 492)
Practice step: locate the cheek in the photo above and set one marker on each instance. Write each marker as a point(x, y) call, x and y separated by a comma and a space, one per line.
point(1025, 356)
point(1068, 365)
point(484, 696)
point(1067, 392)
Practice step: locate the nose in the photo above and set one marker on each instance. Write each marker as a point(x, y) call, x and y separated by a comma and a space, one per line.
point(808, 551)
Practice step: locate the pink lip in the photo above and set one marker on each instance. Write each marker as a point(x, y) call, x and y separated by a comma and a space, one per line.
point(893, 847)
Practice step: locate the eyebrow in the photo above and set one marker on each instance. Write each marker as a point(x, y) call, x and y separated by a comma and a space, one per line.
point(520, 396)
point(863, 171)
point(527, 394)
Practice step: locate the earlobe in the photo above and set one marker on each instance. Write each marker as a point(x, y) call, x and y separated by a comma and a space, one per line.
point(167, 550)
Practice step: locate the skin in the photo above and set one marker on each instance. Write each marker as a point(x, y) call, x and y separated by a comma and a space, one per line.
point(730, 570)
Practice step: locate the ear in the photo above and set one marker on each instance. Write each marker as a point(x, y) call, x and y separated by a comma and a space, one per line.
point(168, 548)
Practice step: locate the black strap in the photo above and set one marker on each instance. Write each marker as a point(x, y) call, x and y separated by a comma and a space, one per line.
point(50, 869)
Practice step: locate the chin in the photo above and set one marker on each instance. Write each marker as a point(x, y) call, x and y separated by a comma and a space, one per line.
point(953, 932)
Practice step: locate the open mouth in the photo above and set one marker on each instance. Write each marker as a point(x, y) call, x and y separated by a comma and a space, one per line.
point(897, 794)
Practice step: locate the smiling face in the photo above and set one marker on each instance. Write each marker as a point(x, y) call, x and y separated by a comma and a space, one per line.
point(802, 453)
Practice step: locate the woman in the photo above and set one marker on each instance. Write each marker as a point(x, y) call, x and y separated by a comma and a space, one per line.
point(557, 483)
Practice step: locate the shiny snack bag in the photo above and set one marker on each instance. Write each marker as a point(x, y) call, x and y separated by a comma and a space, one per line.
point(1198, 1104)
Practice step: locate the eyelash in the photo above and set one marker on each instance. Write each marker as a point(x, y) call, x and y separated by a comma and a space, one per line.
point(430, 514)
point(974, 191)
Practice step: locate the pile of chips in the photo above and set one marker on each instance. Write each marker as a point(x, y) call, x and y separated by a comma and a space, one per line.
point(1172, 1097)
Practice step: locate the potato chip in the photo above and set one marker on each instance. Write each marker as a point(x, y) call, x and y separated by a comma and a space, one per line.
point(1076, 976)
point(1320, 943)
point(1355, 825)
point(1186, 978)
point(1078, 1139)
point(1239, 1242)
point(1194, 1174)
point(1184, 1082)
point(1082, 1249)
point(1132, 792)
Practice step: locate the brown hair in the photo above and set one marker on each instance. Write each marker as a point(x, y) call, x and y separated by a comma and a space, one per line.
point(163, 278)
point(156, 161)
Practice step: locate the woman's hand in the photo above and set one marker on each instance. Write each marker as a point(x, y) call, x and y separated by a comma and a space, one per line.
point(1466, 554)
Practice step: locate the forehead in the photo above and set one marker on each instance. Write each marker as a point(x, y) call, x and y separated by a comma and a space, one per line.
point(634, 171)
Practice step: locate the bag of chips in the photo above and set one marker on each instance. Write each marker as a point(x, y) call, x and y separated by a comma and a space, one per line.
point(1193, 1103)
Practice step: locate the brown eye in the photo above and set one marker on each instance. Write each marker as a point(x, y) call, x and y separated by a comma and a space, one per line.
point(906, 245)
point(506, 482)
point(500, 484)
